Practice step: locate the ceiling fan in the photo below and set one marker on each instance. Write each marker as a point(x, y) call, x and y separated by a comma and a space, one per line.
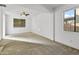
point(24, 13)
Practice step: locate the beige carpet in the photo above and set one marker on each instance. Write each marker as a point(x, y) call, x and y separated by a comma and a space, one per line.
point(31, 37)
point(11, 47)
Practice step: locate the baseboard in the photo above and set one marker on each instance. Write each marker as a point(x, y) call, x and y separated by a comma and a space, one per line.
point(24, 40)
point(42, 35)
point(66, 45)
point(17, 33)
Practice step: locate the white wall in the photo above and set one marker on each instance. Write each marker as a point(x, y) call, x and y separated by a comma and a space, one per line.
point(39, 21)
point(67, 38)
point(1, 21)
point(42, 24)
point(13, 30)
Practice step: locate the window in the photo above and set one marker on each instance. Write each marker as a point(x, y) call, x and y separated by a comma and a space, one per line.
point(71, 20)
point(19, 22)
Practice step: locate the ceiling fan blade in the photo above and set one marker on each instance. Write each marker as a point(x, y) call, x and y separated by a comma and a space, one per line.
point(26, 14)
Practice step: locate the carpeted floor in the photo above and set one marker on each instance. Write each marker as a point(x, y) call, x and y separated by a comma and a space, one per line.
point(30, 37)
point(11, 47)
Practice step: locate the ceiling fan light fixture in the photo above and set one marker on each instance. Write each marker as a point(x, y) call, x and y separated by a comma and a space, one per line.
point(23, 13)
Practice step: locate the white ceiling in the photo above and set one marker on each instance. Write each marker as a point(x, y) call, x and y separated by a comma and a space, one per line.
point(48, 6)
point(39, 7)
point(51, 6)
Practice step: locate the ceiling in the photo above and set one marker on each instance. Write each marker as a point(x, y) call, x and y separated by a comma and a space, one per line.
point(48, 6)
point(37, 7)
point(51, 6)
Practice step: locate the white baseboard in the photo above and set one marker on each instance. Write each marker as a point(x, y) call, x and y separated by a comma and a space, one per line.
point(66, 44)
point(51, 38)
point(26, 39)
